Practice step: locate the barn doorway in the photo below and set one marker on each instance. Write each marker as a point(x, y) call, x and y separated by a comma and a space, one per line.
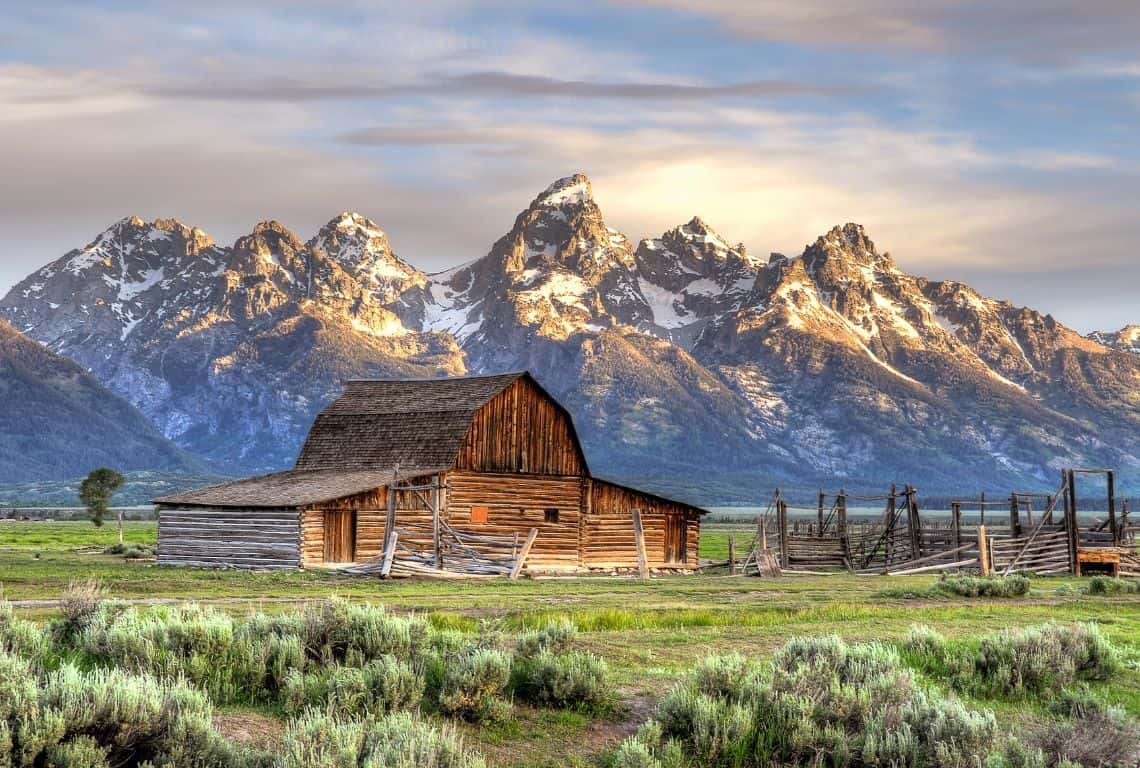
point(340, 536)
point(676, 539)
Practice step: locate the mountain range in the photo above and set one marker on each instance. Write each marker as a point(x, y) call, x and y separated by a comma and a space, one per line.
point(689, 364)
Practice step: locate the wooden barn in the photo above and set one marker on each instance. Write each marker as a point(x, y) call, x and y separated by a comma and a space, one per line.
point(488, 476)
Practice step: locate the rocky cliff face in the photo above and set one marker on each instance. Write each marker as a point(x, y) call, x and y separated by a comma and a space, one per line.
point(59, 423)
point(688, 363)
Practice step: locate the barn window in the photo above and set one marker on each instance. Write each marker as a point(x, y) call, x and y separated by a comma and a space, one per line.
point(550, 515)
point(479, 514)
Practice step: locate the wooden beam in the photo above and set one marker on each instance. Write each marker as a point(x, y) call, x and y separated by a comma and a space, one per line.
point(521, 561)
point(983, 551)
point(1072, 526)
point(389, 554)
point(731, 555)
point(639, 541)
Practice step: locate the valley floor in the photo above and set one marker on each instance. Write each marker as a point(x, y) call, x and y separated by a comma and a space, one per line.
point(649, 632)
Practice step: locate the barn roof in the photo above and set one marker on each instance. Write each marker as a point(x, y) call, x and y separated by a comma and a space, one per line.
point(291, 489)
point(401, 422)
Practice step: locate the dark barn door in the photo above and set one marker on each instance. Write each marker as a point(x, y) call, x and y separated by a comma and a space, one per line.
point(340, 536)
point(676, 539)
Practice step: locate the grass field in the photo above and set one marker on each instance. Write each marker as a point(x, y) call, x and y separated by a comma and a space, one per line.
point(649, 632)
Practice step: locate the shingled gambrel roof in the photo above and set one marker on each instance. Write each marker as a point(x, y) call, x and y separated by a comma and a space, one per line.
point(402, 422)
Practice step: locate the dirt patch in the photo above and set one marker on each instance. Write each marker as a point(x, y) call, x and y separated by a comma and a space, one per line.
point(250, 729)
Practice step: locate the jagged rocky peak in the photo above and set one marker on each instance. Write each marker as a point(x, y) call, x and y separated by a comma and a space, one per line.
point(691, 275)
point(846, 251)
point(361, 248)
point(564, 226)
point(1127, 339)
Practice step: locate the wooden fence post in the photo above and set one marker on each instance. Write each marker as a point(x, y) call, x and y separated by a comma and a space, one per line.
point(841, 526)
point(521, 561)
point(389, 554)
point(1072, 525)
point(956, 521)
point(390, 517)
point(782, 522)
point(913, 523)
point(982, 507)
point(437, 544)
point(1110, 480)
point(1014, 516)
point(639, 540)
point(820, 511)
point(731, 556)
point(983, 551)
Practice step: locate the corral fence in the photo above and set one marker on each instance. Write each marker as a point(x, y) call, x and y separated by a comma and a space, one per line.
point(1035, 532)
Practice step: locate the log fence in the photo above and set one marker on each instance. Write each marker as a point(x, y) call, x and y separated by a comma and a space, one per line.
point(1027, 531)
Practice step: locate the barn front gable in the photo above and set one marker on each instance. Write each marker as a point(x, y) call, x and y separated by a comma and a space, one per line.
point(522, 430)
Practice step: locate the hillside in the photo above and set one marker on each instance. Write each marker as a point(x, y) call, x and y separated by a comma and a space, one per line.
point(59, 423)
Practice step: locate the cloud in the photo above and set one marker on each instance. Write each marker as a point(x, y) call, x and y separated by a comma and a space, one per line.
point(485, 83)
point(1043, 31)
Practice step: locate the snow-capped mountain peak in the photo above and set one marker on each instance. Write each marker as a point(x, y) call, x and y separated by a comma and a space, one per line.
point(570, 190)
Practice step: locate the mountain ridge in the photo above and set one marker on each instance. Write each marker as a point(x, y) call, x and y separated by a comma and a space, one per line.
point(680, 355)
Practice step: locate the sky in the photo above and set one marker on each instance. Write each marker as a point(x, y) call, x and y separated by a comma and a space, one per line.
point(991, 142)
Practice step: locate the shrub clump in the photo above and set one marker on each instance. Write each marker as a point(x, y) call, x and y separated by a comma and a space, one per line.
point(1037, 660)
point(104, 718)
point(1014, 585)
point(473, 685)
point(242, 660)
point(573, 680)
point(1015, 663)
point(379, 687)
point(555, 637)
point(819, 702)
point(1106, 585)
point(397, 741)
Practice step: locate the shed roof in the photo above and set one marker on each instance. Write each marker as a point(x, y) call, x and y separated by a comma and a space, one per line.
point(291, 489)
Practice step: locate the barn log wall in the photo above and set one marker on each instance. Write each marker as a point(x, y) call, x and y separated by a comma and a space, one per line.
point(312, 538)
point(515, 505)
point(215, 537)
point(607, 533)
point(371, 514)
point(521, 430)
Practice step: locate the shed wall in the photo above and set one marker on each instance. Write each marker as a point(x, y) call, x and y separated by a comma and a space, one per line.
point(608, 540)
point(229, 537)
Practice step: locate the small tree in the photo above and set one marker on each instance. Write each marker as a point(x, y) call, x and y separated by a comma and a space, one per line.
point(96, 491)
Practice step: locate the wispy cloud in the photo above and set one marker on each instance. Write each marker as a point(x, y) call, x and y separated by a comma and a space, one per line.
point(487, 84)
point(1045, 31)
